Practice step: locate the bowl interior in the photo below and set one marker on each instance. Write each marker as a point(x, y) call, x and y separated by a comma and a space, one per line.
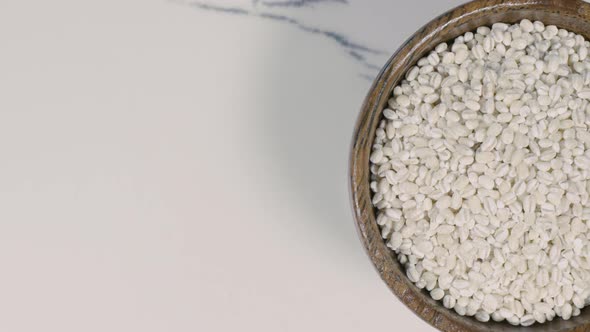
point(573, 15)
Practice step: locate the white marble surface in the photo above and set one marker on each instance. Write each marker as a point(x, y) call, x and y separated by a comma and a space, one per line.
point(181, 165)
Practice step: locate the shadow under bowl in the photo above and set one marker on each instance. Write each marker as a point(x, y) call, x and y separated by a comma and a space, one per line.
point(572, 15)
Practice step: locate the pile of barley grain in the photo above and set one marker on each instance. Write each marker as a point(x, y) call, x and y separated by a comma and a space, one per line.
point(480, 173)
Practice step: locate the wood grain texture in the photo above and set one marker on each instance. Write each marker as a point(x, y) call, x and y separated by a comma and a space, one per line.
point(573, 15)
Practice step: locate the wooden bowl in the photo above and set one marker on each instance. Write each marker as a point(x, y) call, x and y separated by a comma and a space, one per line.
point(573, 15)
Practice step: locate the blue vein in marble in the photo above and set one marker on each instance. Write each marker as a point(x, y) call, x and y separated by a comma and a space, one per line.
point(355, 50)
point(296, 3)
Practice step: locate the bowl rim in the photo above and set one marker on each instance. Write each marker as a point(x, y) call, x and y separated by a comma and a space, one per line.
point(358, 180)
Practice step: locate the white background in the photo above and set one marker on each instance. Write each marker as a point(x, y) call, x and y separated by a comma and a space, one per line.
point(168, 168)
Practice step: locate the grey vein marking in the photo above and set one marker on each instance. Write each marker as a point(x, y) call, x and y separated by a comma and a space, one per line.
point(297, 3)
point(339, 38)
point(355, 50)
point(367, 77)
point(361, 58)
point(228, 10)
